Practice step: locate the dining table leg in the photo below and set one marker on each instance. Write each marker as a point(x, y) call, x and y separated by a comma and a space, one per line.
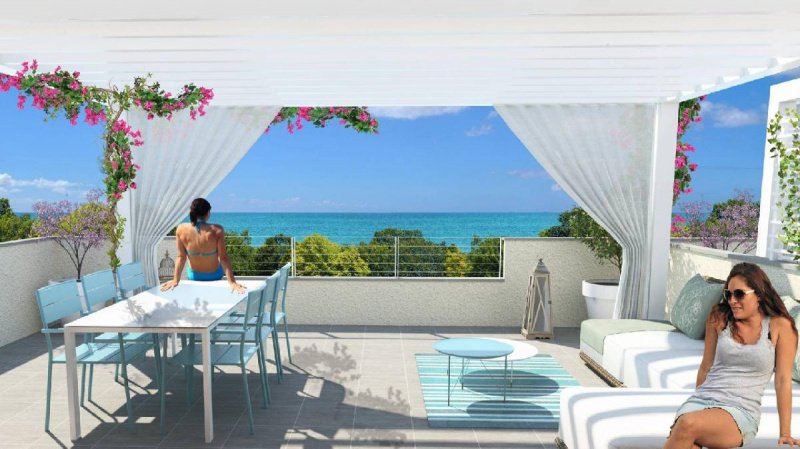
point(72, 385)
point(207, 407)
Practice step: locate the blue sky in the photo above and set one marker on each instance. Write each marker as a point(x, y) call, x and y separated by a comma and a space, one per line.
point(424, 160)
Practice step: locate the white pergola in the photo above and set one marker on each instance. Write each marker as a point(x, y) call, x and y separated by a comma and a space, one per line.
point(529, 58)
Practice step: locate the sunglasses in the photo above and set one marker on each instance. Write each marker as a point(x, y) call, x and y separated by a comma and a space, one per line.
point(737, 294)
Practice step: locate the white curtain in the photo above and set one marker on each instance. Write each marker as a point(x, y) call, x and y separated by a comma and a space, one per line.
point(183, 159)
point(601, 155)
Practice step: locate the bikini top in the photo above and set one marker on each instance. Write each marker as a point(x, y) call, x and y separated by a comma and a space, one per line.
point(200, 253)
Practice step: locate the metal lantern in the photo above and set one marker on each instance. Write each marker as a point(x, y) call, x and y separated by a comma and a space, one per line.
point(166, 268)
point(538, 321)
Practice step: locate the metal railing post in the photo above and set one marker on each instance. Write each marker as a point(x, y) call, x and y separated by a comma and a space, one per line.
point(294, 257)
point(396, 255)
point(500, 258)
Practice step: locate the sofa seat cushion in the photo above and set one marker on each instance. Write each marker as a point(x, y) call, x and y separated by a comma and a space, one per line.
point(595, 331)
point(618, 346)
point(794, 310)
point(628, 418)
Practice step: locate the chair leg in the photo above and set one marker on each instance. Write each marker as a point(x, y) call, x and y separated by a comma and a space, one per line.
point(288, 345)
point(157, 357)
point(83, 382)
point(116, 373)
point(49, 389)
point(162, 383)
point(190, 368)
point(91, 381)
point(276, 346)
point(128, 406)
point(247, 398)
point(262, 374)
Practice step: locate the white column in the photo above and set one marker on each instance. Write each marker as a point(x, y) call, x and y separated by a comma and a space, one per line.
point(125, 210)
point(780, 95)
point(659, 216)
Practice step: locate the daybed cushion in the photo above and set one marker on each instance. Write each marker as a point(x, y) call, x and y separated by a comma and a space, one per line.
point(694, 303)
point(794, 310)
point(595, 331)
point(628, 356)
point(628, 418)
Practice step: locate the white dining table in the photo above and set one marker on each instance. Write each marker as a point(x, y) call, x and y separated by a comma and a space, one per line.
point(192, 307)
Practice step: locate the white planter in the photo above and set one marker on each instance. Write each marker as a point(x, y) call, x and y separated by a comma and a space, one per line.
point(600, 295)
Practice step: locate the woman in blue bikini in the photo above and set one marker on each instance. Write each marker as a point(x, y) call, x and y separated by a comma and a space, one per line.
point(204, 245)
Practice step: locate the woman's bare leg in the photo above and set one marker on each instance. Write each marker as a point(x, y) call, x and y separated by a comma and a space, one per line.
point(712, 428)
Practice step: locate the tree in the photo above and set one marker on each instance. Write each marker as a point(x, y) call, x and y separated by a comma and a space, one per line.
point(731, 225)
point(484, 257)
point(577, 223)
point(274, 253)
point(456, 263)
point(240, 252)
point(318, 256)
point(77, 228)
point(13, 227)
point(562, 229)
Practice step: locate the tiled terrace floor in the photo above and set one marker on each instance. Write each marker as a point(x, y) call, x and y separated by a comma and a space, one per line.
point(349, 387)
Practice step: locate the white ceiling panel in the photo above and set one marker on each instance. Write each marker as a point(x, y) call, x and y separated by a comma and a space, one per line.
point(413, 52)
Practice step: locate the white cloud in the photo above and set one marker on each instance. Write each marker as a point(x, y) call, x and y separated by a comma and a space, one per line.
point(555, 188)
point(413, 113)
point(528, 174)
point(9, 184)
point(723, 115)
point(492, 114)
point(481, 130)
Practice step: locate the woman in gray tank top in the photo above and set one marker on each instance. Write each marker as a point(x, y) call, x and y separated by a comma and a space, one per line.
point(749, 336)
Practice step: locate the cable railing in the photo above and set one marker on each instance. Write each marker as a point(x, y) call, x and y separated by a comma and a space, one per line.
point(395, 256)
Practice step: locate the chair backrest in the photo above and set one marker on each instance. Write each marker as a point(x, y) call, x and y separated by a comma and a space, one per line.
point(131, 278)
point(269, 300)
point(98, 288)
point(58, 301)
point(252, 305)
point(284, 283)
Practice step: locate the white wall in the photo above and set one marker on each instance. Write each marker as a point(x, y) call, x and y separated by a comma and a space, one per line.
point(25, 266)
point(688, 260)
point(448, 302)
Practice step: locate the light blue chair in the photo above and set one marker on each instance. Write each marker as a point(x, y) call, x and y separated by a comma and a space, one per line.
point(61, 300)
point(281, 316)
point(237, 351)
point(268, 318)
point(131, 279)
point(99, 289)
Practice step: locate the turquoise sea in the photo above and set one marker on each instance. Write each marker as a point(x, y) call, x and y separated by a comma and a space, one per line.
point(456, 228)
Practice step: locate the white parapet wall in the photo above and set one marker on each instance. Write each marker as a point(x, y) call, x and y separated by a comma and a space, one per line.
point(25, 266)
point(448, 301)
point(687, 260)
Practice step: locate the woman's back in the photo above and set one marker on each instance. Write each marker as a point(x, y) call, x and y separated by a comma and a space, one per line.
point(201, 243)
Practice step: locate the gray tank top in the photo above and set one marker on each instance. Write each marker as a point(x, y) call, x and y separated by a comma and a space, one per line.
point(740, 372)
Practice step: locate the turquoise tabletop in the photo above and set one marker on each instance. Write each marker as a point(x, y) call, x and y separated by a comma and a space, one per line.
point(473, 348)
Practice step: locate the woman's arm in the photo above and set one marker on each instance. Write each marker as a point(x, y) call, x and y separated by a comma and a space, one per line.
point(180, 262)
point(226, 263)
point(785, 349)
point(710, 348)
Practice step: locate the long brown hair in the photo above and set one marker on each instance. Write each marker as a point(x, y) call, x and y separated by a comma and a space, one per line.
point(770, 303)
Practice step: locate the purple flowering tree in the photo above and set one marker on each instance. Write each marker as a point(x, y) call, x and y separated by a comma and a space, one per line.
point(75, 227)
point(729, 226)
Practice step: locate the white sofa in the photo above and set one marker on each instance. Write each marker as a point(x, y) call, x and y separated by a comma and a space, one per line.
point(660, 369)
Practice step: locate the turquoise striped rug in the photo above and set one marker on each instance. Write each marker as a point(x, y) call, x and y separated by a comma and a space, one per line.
point(531, 399)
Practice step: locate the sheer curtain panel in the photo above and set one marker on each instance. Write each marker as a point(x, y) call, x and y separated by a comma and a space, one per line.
point(183, 159)
point(602, 157)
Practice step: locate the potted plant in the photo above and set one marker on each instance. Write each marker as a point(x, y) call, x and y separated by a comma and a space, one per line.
point(77, 228)
point(600, 294)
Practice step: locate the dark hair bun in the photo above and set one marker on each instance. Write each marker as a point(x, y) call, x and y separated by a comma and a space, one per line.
point(200, 208)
